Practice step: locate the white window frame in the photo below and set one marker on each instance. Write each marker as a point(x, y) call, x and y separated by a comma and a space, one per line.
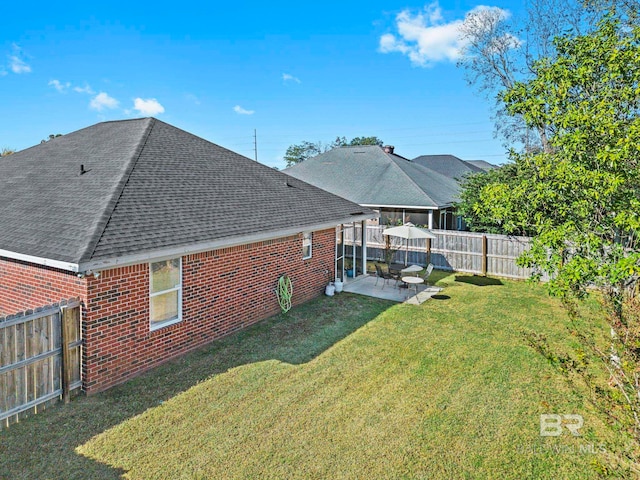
point(305, 236)
point(178, 288)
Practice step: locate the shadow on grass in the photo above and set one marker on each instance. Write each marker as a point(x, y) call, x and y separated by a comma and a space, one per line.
point(440, 297)
point(477, 280)
point(43, 446)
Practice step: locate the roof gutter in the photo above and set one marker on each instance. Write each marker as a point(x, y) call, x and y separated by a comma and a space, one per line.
point(47, 262)
point(172, 252)
point(418, 207)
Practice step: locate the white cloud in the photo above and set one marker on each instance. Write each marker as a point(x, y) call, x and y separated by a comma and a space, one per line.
point(289, 78)
point(102, 101)
point(192, 98)
point(16, 62)
point(17, 65)
point(86, 89)
point(426, 38)
point(241, 111)
point(149, 107)
point(58, 85)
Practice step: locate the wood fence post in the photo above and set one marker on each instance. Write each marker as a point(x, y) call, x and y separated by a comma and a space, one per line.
point(484, 255)
point(67, 316)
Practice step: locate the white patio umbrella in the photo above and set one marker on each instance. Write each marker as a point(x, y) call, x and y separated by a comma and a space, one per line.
point(408, 231)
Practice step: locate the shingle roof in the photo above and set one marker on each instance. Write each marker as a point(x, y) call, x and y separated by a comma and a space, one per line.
point(148, 186)
point(483, 164)
point(369, 176)
point(448, 165)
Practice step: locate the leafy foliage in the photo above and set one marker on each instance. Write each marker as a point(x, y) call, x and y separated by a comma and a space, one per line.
point(6, 152)
point(471, 205)
point(51, 137)
point(581, 197)
point(502, 49)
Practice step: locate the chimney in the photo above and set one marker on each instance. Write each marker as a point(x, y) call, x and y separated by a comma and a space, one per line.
point(388, 148)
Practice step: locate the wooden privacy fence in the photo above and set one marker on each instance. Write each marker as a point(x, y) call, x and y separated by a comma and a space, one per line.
point(479, 253)
point(40, 355)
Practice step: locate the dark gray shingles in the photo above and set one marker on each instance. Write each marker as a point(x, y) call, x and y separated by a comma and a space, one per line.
point(447, 165)
point(149, 186)
point(369, 176)
point(483, 164)
point(49, 210)
point(185, 190)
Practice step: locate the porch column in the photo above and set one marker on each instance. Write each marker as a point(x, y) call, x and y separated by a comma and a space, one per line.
point(430, 219)
point(364, 247)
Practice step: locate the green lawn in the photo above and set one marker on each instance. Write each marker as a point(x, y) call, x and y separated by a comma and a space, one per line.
point(342, 387)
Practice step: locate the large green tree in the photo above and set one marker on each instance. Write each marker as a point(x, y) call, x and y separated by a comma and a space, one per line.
point(501, 48)
point(302, 151)
point(581, 197)
point(471, 204)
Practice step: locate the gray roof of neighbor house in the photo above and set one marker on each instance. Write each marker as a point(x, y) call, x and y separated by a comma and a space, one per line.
point(483, 164)
point(149, 189)
point(370, 176)
point(448, 165)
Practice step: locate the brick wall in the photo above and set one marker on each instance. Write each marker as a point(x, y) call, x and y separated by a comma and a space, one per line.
point(223, 291)
point(25, 286)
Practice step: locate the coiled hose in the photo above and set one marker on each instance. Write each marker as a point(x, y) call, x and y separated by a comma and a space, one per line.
point(284, 293)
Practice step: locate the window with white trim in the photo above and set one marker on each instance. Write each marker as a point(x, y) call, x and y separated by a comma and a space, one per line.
point(165, 293)
point(307, 239)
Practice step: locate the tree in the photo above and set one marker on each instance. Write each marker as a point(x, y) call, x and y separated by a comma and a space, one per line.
point(366, 141)
point(302, 151)
point(501, 49)
point(51, 137)
point(581, 197)
point(6, 152)
point(471, 205)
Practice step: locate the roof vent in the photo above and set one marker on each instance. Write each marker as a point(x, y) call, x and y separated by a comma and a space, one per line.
point(388, 148)
point(82, 170)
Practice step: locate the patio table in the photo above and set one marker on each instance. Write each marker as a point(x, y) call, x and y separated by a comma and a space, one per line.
point(412, 282)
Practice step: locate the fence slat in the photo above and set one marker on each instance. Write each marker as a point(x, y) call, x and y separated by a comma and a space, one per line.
point(471, 252)
point(30, 360)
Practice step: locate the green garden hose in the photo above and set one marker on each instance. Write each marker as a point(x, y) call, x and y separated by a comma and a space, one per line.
point(284, 293)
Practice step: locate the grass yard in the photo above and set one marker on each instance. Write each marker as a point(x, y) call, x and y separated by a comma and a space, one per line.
point(342, 387)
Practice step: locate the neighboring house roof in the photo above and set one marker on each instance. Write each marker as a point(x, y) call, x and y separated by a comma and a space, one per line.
point(370, 176)
point(483, 164)
point(149, 189)
point(448, 165)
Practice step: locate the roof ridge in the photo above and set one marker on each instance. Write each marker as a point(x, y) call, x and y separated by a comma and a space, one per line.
point(412, 181)
point(106, 215)
point(122, 120)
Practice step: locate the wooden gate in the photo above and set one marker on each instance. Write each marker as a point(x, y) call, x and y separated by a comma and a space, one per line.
point(40, 356)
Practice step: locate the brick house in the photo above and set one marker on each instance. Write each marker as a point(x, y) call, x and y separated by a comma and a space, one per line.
point(169, 241)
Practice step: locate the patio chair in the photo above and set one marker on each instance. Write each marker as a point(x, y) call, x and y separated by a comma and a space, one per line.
point(384, 275)
point(427, 272)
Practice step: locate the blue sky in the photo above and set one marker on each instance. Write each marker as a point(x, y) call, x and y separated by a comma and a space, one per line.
point(291, 71)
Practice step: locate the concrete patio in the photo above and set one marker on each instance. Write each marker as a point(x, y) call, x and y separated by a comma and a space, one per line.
point(366, 285)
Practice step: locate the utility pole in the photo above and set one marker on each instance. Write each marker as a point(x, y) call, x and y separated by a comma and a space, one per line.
point(255, 144)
